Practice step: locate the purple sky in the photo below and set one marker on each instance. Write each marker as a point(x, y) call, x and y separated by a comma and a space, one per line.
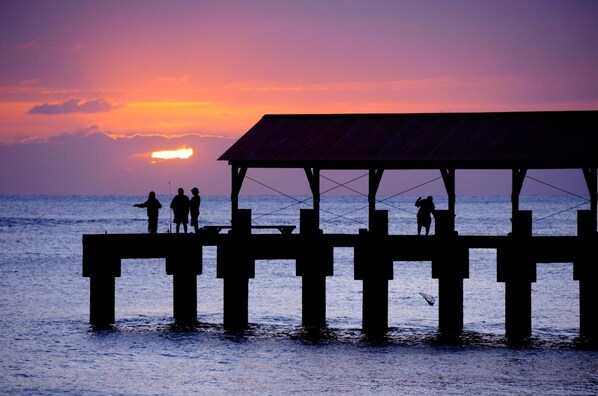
point(88, 89)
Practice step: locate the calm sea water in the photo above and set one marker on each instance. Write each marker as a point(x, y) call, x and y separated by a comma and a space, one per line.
point(47, 346)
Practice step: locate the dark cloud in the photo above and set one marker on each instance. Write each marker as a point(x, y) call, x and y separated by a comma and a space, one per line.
point(74, 105)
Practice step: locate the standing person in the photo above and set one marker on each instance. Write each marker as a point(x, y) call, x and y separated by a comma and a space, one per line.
point(194, 208)
point(180, 209)
point(153, 206)
point(424, 218)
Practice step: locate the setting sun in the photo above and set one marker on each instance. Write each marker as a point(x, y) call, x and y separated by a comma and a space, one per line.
point(182, 153)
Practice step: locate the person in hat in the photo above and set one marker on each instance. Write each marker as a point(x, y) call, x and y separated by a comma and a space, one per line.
point(194, 208)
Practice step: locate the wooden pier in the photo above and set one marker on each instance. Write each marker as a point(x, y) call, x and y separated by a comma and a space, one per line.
point(377, 142)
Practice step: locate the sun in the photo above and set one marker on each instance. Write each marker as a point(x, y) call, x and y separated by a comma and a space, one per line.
point(181, 153)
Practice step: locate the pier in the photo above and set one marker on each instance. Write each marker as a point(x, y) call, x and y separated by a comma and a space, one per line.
point(376, 142)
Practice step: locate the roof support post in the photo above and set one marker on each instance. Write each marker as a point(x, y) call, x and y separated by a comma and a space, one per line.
point(313, 178)
point(375, 176)
point(237, 176)
point(590, 175)
point(518, 178)
point(448, 176)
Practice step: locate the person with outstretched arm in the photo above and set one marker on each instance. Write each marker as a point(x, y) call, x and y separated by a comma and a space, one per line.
point(153, 207)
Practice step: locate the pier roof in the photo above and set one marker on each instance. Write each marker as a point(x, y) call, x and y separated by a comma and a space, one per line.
point(500, 140)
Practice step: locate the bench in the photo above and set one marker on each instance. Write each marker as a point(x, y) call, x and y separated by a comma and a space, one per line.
point(284, 229)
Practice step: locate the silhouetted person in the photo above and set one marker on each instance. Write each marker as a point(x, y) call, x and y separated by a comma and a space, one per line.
point(194, 208)
point(153, 206)
point(424, 214)
point(180, 209)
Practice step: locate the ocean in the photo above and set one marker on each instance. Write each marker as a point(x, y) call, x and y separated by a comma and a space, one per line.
point(47, 346)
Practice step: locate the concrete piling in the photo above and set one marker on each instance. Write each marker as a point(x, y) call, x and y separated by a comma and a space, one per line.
point(235, 266)
point(102, 271)
point(517, 269)
point(373, 265)
point(450, 265)
point(314, 264)
point(585, 271)
point(101, 301)
point(184, 271)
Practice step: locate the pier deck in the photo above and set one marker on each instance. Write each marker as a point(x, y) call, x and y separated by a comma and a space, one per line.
point(546, 249)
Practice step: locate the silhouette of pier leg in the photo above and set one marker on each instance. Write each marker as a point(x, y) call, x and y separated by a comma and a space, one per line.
point(450, 266)
point(373, 265)
point(102, 272)
point(313, 300)
point(101, 300)
point(588, 303)
point(184, 271)
point(518, 308)
point(314, 263)
point(184, 298)
point(375, 306)
point(585, 271)
point(516, 268)
point(450, 305)
point(235, 266)
point(236, 303)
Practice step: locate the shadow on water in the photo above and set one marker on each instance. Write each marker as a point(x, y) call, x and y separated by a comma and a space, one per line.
point(103, 328)
point(585, 343)
point(395, 337)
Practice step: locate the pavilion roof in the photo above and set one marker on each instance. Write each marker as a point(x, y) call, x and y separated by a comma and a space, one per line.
point(500, 140)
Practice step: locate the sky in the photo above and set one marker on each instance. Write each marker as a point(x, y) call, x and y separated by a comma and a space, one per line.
point(89, 89)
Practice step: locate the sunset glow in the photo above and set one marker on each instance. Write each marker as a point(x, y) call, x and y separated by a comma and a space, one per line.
point(78, 83)
point(182, 153)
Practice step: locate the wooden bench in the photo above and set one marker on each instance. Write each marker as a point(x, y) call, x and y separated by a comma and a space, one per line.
point(284, 229)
